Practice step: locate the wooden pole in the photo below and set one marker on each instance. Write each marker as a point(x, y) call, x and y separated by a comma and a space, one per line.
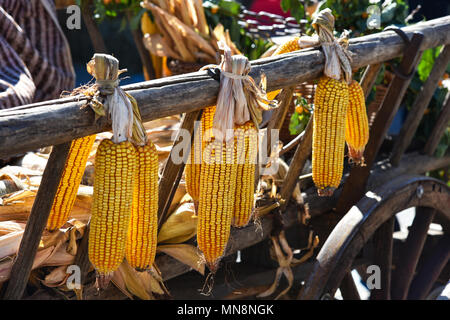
point(21, 129)
point(37, 221)
point(355, 185)
point(420, 104)
point(439, 128)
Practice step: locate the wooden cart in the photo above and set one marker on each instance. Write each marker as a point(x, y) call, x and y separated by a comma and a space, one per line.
point(355, 226)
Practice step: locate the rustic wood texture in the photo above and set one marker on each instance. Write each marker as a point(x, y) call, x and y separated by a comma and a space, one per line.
point(172, 172)
point(301, 154)
point(348, 288)
point(430, 270)
point(278, 116)
point(410, 254)
point(383, 244)
point(248, 236)
point(21, 129)
point(369, 77)
point(439, 128)
point(420, 104)
point(352, 232)
point(355, 185)
point(37, 221)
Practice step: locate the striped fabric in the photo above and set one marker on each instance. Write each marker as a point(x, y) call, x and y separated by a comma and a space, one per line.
point(35, 60)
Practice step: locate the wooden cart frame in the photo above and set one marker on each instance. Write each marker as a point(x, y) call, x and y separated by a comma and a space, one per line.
point(58, 122)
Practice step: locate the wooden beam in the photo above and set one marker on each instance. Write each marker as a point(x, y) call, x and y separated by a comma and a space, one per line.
point(410, 254)
point(301, 154)
point(439, 128)
point(420, 104)
point(21, 128)
point(369, 77)
point(172, 172)
point(355, 186)
point(20, 271)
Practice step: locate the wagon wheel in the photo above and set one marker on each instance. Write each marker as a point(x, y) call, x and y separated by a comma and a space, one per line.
point(370, 225)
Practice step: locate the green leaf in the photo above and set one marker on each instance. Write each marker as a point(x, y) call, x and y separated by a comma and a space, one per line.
point(134, 22)
point(285, 5)
point(297, 10)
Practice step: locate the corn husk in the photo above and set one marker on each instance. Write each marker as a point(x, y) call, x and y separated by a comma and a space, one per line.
point(186, 253)
point(180, 226)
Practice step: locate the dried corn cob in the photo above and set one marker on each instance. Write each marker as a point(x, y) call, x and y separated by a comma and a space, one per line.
point(216, 202)
point(202, 136)
point(142, 231)
point(288, 46)
point(70, 181)
point(115, 169)
point(330, 108)
point(246, 150)
point(356, 124)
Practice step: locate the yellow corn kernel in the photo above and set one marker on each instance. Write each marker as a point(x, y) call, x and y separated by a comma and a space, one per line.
point(246, 139)
point(356, 124)
point(115, 169)
point(288, 46)
point(216, 202)
point(70, 181)
point(142, 232)
point(201, 137)
point(330, 108)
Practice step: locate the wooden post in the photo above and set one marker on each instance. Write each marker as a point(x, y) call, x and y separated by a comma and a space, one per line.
point(369, 77)
point(37, 221)
point(420, 104)
point(439, 128)
point(172, 172)
point(298, 162)
point(355, 185)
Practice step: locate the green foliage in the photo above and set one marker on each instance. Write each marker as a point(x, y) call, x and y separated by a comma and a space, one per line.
point(299, 120)
point(114, 9)
point(295, 7)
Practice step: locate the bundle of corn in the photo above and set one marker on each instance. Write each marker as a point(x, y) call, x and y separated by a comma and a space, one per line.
point(338, 115)
point(124, 209)
point(180, 32)
point(228, 161)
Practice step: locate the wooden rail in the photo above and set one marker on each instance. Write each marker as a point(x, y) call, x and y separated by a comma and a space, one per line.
point(54, 122)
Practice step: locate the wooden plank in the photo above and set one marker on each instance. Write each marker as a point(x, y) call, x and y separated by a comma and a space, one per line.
point(439, 128)
point(277, 119)
point(355, 186)
point(369, 77)
point(383, 244)
point(37, 221)
point(172, 172)
point(21, 129)
point(421, 102)
point(348, 288)
point(431, 269)
point(410, 253)
point(301, 154)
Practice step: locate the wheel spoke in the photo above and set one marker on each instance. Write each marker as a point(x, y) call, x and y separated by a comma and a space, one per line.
point(382, 257)
point(430, 270)
point(348, 288)
point(410, 253)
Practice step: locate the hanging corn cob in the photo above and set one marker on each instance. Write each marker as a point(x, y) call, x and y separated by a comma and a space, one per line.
point(246, 152)
point(70, 181)
point(216, 202)
point(124, 209)
point(201, 137)
point(330, 107)
point(239, 105)
point(356, 124)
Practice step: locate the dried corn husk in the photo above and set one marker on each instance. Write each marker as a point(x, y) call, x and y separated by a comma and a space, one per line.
point(337, 57)
point(240, 99)
point(180, 226)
